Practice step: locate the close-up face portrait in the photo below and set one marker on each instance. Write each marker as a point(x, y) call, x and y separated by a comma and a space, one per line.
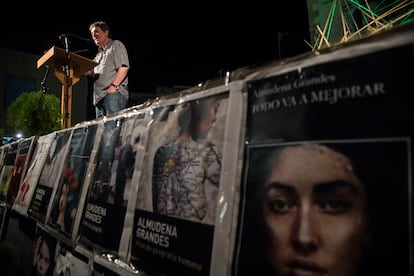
point(315, 213)
point(44, 260)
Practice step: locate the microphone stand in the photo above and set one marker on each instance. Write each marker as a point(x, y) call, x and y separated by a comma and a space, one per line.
point(42, 83)
point(66, 69)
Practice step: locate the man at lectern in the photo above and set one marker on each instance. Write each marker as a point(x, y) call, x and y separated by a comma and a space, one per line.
point(110, 76)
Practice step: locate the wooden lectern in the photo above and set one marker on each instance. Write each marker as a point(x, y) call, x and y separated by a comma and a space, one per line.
point(69, 67)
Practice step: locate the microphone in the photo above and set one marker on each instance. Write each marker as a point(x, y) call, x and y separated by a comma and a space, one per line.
point(63, 36)
point(66, 43)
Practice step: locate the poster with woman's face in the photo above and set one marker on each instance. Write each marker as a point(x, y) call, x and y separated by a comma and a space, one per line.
point(44, 249)
point(326, 147)
point(317, 207)
point(178, 191)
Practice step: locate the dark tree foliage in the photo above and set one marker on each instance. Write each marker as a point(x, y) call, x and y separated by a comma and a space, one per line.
point(35, 113)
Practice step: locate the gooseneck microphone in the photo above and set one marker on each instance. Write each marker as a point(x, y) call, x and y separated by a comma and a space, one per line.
point(82, 51)
point(65, 36)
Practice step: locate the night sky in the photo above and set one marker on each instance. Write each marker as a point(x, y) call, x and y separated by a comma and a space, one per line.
point(168, 44)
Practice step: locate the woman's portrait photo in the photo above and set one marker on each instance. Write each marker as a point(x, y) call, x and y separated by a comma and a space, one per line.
point(316, 208)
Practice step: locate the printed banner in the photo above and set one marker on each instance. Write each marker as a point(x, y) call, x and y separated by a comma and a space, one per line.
point(66, 199)
point(103, 215)
point(50, 175)
point(20, 167)
point(3, 219)
point(29, 182)
point(3, 151)
point(6, 173)
point(326, 147)
point(177, 196)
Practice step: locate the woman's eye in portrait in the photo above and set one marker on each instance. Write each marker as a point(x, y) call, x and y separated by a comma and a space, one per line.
point(279, 202)
point(280, 199)
point(334, 204)
point(279, 205)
